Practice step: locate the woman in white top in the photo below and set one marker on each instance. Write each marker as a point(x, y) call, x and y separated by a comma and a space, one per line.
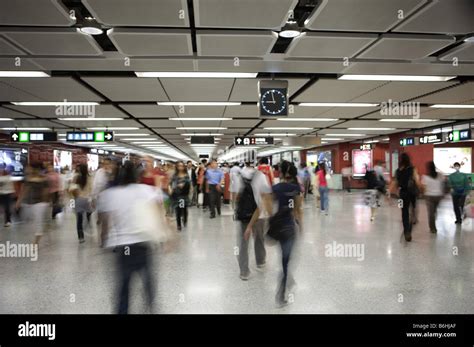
point(433, 184)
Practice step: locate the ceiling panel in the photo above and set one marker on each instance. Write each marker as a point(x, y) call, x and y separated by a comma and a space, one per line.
point(441, 16)
point(400, 91)
point(246, 89)
point(251, 14)
point(463, 52)
point(47, 41)
point(149, 111)
point(277, 123)
point(241, 111)
point(128, 88)
point(238, 43)
point(54, 112)
point(151, 42)
point(346, 112)
point(8, 64)
point(7, 113)
point(34, 13)
point(102, 123)
point(199, 111)
point(446, 113)
point(376, 124)
point(6, 48)
point(406, 47)
point(45, 89)
point(463, 93)
point(367, 15)
point(198, 89)
point(240, 123)
point(163, 13)
point(29, 123)
point(328, 45)
point(328, 90)
point(159, 123)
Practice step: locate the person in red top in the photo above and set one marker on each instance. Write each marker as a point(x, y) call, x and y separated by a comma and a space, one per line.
point(322, 185)
point(266, 170)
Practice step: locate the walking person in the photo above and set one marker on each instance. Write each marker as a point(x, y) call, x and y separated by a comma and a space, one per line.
point(214, 178)
point(322, 185)
point(122, 209)
point(54, 183)
point(6, 191)
point(34, 199)
point(372, 194)
point(179, 189)
point(234, 183)
point(191, 171)
point(407, 183)
point(253, 207)
point(433, 188)
point(460, 187)
point(81, 190)
point(285, 224)
point(266, 169)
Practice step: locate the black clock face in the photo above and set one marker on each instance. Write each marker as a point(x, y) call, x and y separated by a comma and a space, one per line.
point(273, 102)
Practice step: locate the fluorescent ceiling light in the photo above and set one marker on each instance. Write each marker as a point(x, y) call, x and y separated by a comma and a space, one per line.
point(138, 138)
point(289, 34)
point(343, 135)
point(307, 119)
point(14, 129)
point(4, 119)
point(337, 104)
point(200, 119)
point(139, 134)
point(23, 74)
point(208, 134)
point(452, 106)
point(201, 128)
point(89, 119)
point(323, 142)
point(55, 103)
point(396, 78)
point(332, 139)
point(287, 128)
point(370, 128)
point(372, 141)
point(113, 128)
point(195, 74)
point(407, 120)
point(91, 30)
point(146, 142)
point(198, 103)
point(275, 134)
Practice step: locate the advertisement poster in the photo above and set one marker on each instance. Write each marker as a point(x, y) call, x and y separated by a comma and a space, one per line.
point(14, 161)
point(296, 158)
point(444, 159)
point(62, 159)
point(360, 160)
point(315, 157)
point(92, 162)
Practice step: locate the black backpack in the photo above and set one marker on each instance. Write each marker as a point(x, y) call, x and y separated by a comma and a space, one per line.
point(246, 205)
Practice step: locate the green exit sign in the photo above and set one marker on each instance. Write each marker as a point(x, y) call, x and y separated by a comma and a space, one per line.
point(24, 137)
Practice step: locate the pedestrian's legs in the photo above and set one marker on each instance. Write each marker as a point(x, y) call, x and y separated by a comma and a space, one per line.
point(178, 217)
point(125, 269)
point(286, 247)
point(146, 260)
point(431, 209)
point(259, 229)
point(185, 215)
point(212, 200)
point(321, 197)
point(243, 251)
point(462, 201)
point(406, 200)
point(5, 200)
point(457, 207)
point(80, 228)
point(218, 199)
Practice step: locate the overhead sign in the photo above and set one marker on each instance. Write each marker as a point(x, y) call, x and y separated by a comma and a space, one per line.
point(29, 136)
point(432, 138)
point(366, 146)
point(407, 141)
point(202, 140)
point(89, 136)
point(306, 142)
point(253, 141)
point(459, 135)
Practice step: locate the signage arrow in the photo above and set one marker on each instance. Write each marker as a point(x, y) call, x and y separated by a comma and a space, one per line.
point(108, 136)
point(14, 136)
point(450, 136)
point(239, 140)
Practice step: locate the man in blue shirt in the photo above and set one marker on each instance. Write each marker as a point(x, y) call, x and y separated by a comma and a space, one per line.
point(214, 178)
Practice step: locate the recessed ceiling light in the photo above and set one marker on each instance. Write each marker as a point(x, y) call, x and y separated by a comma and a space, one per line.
point(307, 119)
point(201, 128)
point(469, 39)
point(452, 106)
point(55, 103)
point(396, 78)
point(200, 119)
point(414, 120)
point(287, 128)
point(23, 74)
point(198, 103)
point(343, 135)
point(113, 128)
point(289, 34)
point(337, 104)
point(91, 30)
point(89, 119)
point(371, 128)
point(195, 74)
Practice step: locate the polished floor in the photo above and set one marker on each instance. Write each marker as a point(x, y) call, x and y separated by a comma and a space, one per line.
point(432, 274)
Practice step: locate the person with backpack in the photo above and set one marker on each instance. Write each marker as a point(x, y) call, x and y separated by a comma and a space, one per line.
point(408, 185)
point(284, 224)
point(253, 204)
point(460, 187)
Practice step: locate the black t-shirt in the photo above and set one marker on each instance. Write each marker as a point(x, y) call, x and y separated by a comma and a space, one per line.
point(403, 178)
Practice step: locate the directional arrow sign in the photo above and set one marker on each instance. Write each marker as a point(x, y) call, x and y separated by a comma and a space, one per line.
point(238, 140)
point(109, 136)
point(14, 137)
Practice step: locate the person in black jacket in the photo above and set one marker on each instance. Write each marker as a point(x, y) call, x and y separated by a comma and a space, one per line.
point(179, 187)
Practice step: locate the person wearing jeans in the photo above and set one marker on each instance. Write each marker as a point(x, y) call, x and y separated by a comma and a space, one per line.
point(460, 187)
point(433, 186)
point(214, 178)
point(81, 190)
point(322, 185)
point(179, 189)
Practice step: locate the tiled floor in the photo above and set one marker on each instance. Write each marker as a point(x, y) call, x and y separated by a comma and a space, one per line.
point(432, 274)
